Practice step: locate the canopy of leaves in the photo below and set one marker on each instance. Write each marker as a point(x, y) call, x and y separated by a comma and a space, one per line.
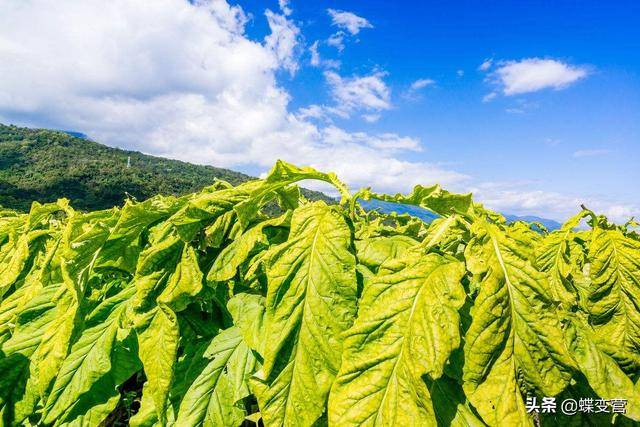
point(209, 309)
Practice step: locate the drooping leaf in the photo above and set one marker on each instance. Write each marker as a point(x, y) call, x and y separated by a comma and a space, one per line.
point(282, 175)
point(433, 198)
point(601, 371)
point(373, 252)
point(410, 311)
point(514, 330)
point(613, 299)
point(214, 397)
point(96, 404)
point(237, 252)
point(185, 282)
point(248, 311)
point(158, 337)
point(311, 301)
point(123, 246)
point(89, 359)
point(554, 256)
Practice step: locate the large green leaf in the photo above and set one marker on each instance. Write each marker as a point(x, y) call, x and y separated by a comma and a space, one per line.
point(160, 273)
point(96, 404)
point(238, 251)
point(248, 311)
point(158, 338)
point(184, 283)
point(18, 392)
point(373, 252)
point(514, 334)
point(601, 371)
point(556, 255)
point(190, 364)
point(407, 327)
point(613, 300)
point(82, 239)
point(123, 246)
point(281, 175)
point(89, 359)
point(215, 397)
point(311, 301)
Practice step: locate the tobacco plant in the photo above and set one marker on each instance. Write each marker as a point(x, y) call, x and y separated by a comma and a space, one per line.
point(251, 304)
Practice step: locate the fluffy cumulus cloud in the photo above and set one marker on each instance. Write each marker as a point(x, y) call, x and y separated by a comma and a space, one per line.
point(534, 74)
point(183, 80)
point(369, 93)
point(284, 7)
point(283, 40)
point(348, 21)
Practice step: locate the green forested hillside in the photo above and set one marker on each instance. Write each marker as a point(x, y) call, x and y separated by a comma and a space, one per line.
point(45, 165)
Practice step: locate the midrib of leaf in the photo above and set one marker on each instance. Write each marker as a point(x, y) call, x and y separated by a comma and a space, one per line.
point(68, 378)
point(312, 256)
point(395, 363)
point(621, 288)
point(219, 369)
point(513, 312)
point(441, 229)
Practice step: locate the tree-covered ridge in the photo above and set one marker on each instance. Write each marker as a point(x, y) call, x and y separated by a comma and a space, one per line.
point(44, 165)
point(202, 310)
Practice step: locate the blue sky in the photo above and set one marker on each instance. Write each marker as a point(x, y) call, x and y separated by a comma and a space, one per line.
point(388, 94)
point(414, 40)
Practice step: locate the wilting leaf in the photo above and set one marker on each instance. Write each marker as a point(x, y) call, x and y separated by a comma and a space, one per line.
point(514, 331)
point(214, 398)
point(405, 313)
point(311, 301)
point(614, 294)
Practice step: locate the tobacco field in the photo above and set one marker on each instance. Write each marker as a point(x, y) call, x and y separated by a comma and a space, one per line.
point(252, 305)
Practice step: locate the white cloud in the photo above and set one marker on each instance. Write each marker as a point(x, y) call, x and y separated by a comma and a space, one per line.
point(385, 141)
point(368, 93)
point(182, 80)
point(488, 97)
point(313, 111)
point(315, 56)
point(597, 152)
point(486, 64)
point(460, 73)
point(348, 21)
point(619, 213)
point(534, 74)
point(412, 93)
point(519, 199)
point(422, 83)
point(317, 61)
point(283, 40)
point(337, 40)
point(371, 118)
point(284, 7)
